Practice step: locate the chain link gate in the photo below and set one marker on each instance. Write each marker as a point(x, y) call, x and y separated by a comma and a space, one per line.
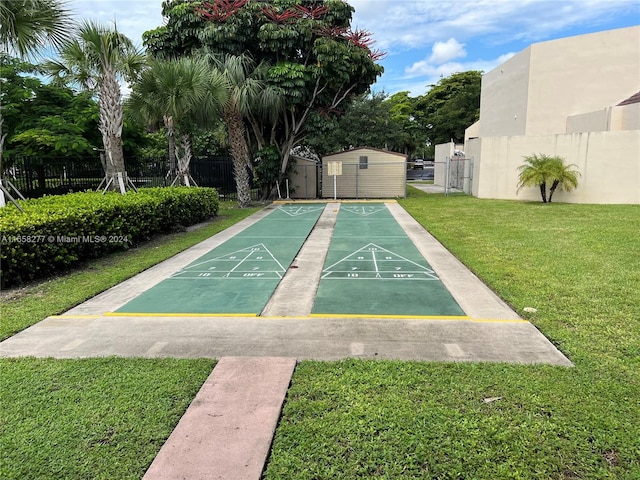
point(458, 175)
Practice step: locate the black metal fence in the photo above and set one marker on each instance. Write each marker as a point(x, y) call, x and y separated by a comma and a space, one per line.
point(35, 176)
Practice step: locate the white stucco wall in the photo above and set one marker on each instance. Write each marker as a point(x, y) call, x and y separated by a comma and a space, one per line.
point(560, 98)
point(504, 97)
point(535, 91)
point(608, 162)
point(580, 74)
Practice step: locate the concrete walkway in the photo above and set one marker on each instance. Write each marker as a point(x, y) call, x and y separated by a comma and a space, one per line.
point(226, 432)
point(493, 332)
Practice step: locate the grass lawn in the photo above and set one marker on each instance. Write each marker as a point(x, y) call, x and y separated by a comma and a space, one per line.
point(579, 265)
point(92, 418)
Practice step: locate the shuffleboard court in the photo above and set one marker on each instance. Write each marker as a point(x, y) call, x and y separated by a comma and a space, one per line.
point(373, 269)
point(239, 276)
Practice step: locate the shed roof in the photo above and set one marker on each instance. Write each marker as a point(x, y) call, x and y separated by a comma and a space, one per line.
point(366, 148)
point(635, 98)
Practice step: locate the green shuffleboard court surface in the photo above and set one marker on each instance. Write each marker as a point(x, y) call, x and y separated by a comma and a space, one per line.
point(237, 277)
point(373, 269)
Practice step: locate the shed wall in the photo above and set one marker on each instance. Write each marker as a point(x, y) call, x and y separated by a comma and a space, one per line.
point(385, 175)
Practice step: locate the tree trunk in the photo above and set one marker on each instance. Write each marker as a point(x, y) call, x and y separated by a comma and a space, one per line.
point(543, 191)
point(171, 139)
point(240, 154)
point(554, 185)
point(184, 160)
point(111, 120)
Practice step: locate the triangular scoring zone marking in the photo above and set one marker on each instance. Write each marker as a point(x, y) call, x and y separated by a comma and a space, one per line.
point(294, 211)
point(249, 262)
point(386, 265)
point(363, 210)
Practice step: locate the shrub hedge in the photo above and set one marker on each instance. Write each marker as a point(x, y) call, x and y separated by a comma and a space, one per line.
point(56, 232)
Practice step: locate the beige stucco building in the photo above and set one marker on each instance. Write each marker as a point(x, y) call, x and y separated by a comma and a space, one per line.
point(576, 98)
point(364, 173)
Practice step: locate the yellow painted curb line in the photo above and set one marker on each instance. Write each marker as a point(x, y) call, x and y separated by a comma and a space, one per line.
point(400, 317)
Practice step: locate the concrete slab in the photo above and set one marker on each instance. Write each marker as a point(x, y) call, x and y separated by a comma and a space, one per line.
point(305, 338)
point(476, 299)
point(227, 430)
point(305, 271)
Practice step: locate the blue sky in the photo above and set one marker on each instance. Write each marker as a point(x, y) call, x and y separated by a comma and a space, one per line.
point(428, 39)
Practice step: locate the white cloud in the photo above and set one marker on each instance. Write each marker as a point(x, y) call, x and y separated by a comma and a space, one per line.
point(442, 52)
point(399, 25)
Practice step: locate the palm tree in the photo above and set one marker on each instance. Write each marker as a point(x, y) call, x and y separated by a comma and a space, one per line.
point(247, 95)
point(540, 170)
point(96, 60)
point(534, 172)
point(563, 176)
point(25, 27)
point(181, 94)
point(28, 25)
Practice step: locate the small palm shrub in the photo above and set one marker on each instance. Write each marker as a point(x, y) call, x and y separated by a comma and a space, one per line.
point(543, 170)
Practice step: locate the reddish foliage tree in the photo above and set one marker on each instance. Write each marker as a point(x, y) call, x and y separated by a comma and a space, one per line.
point(314, 13)
point(220, 10)
point(277, 17)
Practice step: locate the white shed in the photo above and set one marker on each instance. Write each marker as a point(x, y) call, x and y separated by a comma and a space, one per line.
point(364, 173)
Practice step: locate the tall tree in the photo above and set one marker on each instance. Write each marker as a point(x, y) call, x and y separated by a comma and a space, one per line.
point(181, 94)
point(96, 60)
point(247, 98)
point(366, 121)
point(450, 106)
point(25, 27)
point(316, 61)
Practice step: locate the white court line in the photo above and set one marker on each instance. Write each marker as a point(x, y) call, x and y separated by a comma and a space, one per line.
point(383, 250)
point(375, 263)
point(239, 263)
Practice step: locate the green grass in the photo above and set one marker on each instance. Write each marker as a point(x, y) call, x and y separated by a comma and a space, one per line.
point(579, 265)
point(91, 419)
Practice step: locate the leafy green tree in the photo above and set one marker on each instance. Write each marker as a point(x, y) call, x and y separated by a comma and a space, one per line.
point(365, 122)
point(45, 120)
point(450, 106)
point(96, 60)
point(411, 138)
point(542, 170)
point(182, 94)
point(25, 27)
point(316, 61)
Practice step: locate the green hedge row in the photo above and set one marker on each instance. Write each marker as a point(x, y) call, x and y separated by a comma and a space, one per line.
point(56, 232)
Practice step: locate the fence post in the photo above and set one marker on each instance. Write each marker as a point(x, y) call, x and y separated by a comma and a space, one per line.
point(447, 175)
